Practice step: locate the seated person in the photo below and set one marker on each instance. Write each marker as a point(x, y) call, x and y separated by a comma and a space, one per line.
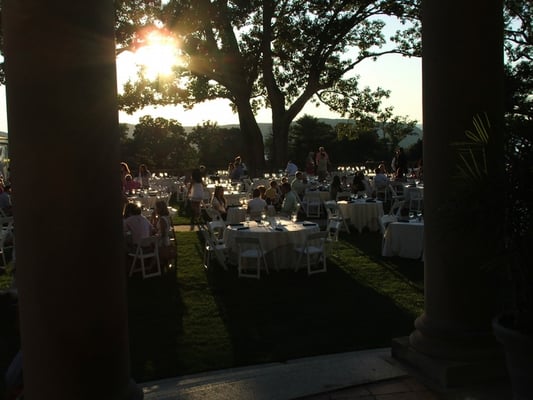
point(290, 200)
point(130, 184)
point(335, 188)
point(381, 181)
point(219, 202)
point(358, 184)
point(272, 194)
point(161, 222)
point(256, 205)
point(262, 191)
point(5, 200)
point(299, 184)
point(344, 184)
point(135, 224)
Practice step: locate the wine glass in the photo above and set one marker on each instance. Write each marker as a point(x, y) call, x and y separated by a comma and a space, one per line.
point(294, 217)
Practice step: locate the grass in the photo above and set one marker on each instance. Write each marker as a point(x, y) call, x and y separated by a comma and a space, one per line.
point(191, 320)
point(198, 320)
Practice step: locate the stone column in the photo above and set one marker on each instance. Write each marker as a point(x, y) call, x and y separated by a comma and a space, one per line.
point(462, 68)
point(63, 134)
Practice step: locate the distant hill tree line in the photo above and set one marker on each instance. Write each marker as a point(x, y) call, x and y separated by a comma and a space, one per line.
point(164, 145)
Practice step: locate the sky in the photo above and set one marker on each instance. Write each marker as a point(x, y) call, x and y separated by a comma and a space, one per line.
point(402, 76)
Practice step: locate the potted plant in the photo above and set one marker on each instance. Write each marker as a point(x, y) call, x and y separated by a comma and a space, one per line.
point(514, 327)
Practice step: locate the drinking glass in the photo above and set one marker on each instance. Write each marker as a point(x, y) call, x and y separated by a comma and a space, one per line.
point(294, 217)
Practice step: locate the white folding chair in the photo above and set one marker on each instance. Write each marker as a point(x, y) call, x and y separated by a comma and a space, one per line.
point(217, 229)
point(147, 249)
point(385, 220)
point(314, 250)
point(334, 213)
point(249, 248)
point(416, 200)
point(312, 204)
point(213, 214)
point(213, 248)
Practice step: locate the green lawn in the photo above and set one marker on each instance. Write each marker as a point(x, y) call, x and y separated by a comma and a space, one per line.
point(198, 320)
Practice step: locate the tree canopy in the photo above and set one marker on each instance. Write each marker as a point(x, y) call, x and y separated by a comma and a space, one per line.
point(279, 54)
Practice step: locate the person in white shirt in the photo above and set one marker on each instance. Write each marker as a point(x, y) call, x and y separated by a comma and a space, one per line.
point(136, 224)
point(299, 185)
point(381, 181)
point(256, 205)
point(291, 169)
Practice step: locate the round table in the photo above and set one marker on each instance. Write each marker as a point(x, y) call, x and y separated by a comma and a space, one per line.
point(362, 214)
point(404, 239)
point(278, 241)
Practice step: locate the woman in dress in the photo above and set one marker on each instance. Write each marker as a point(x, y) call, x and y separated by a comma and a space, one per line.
point(144, 176)
point(161, 222)
point(195, 195)
point(219, 202)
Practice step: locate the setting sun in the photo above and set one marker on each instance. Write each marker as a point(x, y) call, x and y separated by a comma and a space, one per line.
point(158, 54)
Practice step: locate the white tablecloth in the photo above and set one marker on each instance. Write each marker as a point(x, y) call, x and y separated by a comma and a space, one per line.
point(362, 214)
point(278, 245)
point(404, 239)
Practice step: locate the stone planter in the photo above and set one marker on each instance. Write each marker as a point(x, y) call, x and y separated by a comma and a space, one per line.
point(519, 356)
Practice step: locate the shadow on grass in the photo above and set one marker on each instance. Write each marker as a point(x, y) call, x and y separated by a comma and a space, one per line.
point(155, 321)
point(198, 320)
point(287, 315)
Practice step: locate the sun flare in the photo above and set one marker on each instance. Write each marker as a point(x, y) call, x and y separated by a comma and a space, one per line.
point(158, 54)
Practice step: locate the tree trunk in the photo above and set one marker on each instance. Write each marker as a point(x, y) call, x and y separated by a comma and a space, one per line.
point(280, 141)
point(254, 158)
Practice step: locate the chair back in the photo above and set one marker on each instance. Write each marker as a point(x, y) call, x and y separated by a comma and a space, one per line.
point(385, 220)
point(250, 248)
point(217, 229)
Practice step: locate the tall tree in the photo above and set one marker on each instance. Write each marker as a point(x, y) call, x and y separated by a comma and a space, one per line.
point(160, 144)
point(280, 54)
point(217, 147)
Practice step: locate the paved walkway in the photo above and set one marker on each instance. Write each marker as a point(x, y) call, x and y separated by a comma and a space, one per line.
point(361, 375)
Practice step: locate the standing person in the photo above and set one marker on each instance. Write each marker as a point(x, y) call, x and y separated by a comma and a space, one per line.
point(124, 170)
point(322, 163)
point(310, 167)
point(238, 169)
point(291, 168)
point(195, 195)
point(144, 176)
point(401, 164)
